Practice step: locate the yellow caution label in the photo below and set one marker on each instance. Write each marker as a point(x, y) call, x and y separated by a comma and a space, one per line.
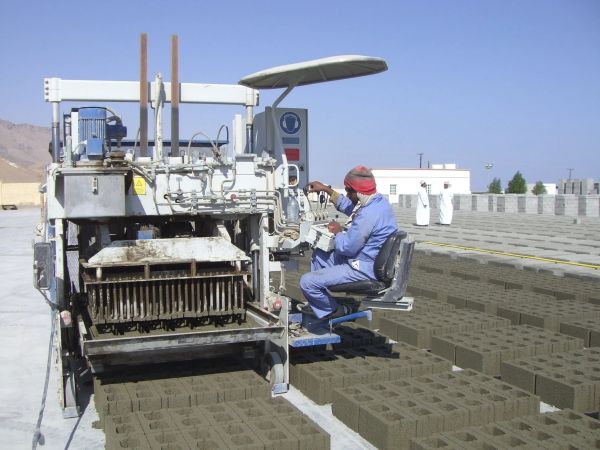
point(139, 186)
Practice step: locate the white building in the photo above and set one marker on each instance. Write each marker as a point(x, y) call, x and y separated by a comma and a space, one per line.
point(392, 182)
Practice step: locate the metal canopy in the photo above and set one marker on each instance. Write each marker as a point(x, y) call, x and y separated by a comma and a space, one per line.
point(315, 71)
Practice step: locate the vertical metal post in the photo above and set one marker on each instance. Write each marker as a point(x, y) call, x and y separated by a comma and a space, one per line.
point(55, 131)
point(144, 94)
point(249, 129)
point(174, 95)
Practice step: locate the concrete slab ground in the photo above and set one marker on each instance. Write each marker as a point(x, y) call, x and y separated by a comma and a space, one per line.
point(25, 318)
point(24, 334)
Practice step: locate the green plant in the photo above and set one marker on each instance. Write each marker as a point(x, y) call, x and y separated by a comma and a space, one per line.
point(495, 187)
point(539, 188)
point(517, 185)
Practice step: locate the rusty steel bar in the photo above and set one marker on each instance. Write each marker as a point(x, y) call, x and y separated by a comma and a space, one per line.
point(144, 94)
point(174, 95)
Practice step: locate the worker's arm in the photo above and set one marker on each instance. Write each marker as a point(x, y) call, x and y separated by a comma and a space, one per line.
point(317, 186)
point(354, 239)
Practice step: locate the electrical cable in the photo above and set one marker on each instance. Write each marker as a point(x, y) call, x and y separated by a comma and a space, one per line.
point(38, 437)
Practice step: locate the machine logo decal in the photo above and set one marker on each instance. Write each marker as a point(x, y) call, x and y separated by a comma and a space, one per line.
point(290, 123)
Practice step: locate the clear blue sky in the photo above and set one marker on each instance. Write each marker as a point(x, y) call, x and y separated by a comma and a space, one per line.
point(511, 82)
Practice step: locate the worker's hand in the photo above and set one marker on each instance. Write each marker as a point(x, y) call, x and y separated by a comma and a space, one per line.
point(334, 227)
point(317, 186)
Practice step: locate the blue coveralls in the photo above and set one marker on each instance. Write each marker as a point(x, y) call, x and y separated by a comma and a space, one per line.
point(354, 256)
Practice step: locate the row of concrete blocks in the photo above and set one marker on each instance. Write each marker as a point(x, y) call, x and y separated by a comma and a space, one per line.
point(418, 328)
point(485, 350)
point(520, 307)
point(317, 374)
point(391, 414)
point(557, 430)
point(152, 395)
point(559, 205)
point(421, 305)
point(565, 380)
point(509, 278)
point(261, 424)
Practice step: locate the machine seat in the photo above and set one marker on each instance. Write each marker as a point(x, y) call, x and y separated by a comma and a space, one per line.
point(385, 268)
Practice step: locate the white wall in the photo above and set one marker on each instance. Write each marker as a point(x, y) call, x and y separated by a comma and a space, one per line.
point(407, 180)
point(551, 188)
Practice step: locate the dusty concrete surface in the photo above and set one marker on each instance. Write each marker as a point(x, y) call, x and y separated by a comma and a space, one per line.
point(24, 333)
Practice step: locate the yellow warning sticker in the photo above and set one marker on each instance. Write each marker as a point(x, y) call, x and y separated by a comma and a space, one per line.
point(139, 186)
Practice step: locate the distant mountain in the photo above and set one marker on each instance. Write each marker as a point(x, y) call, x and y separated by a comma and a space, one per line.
point(23, 151)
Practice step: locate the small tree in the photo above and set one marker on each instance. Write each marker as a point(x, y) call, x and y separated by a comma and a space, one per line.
point(539, 188)
point(495, 187)
point(517, 185)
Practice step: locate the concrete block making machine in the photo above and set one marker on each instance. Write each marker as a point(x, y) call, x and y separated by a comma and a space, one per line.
point(156, 250)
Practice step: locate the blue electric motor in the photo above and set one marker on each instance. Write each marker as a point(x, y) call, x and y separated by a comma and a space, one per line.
point(95, 129)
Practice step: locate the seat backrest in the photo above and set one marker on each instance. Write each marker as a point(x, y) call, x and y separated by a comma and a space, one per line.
point(386, 258)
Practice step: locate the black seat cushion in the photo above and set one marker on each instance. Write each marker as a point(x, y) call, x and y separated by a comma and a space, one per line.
point(360, 287)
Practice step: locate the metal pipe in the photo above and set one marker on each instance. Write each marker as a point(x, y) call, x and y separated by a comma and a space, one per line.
point(55, 131)
point(174, 95)
point(255, 256)
point(144, 94)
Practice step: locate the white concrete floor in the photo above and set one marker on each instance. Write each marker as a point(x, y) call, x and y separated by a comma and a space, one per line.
point(24, 337)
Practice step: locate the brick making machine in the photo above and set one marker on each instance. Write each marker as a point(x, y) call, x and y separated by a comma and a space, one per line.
point(154, 250)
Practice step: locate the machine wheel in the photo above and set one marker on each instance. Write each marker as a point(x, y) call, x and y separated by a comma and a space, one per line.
point(274, 368)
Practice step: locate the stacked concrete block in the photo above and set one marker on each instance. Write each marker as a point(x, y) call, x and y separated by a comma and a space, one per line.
point(255, 424)
point(485, 350)
point(566, 205)
point(546, 204)
point(317, 374)
point(480, 203)
point(561, 429)
point(587, 329)
point(355, 335)
point(152, 395)
point(527, 204)
point(418, 329)
point(462, 202)
point(547, 315)
point(390, 414)
point(492, 203)
point(566, 380)
point(507, 204)
point(589, 205)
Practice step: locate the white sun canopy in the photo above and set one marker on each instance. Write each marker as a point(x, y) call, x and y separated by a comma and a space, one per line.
point(315, 71)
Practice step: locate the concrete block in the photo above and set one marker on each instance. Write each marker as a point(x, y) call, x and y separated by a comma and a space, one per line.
point(171, 439)
point(565, 391)
point(546, 204)
point(240, 435)
point(577, 330)
point(346, 404)
point(310, 435)
point(528, 204)
point(204, 439)
point(385, 427)
point(274, 434)
point(492, 202)
point(589, 205)
point(518, 375)
point(566, 205)
point(507, 203)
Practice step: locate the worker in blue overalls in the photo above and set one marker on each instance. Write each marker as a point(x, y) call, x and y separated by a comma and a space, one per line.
point(357, 243)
